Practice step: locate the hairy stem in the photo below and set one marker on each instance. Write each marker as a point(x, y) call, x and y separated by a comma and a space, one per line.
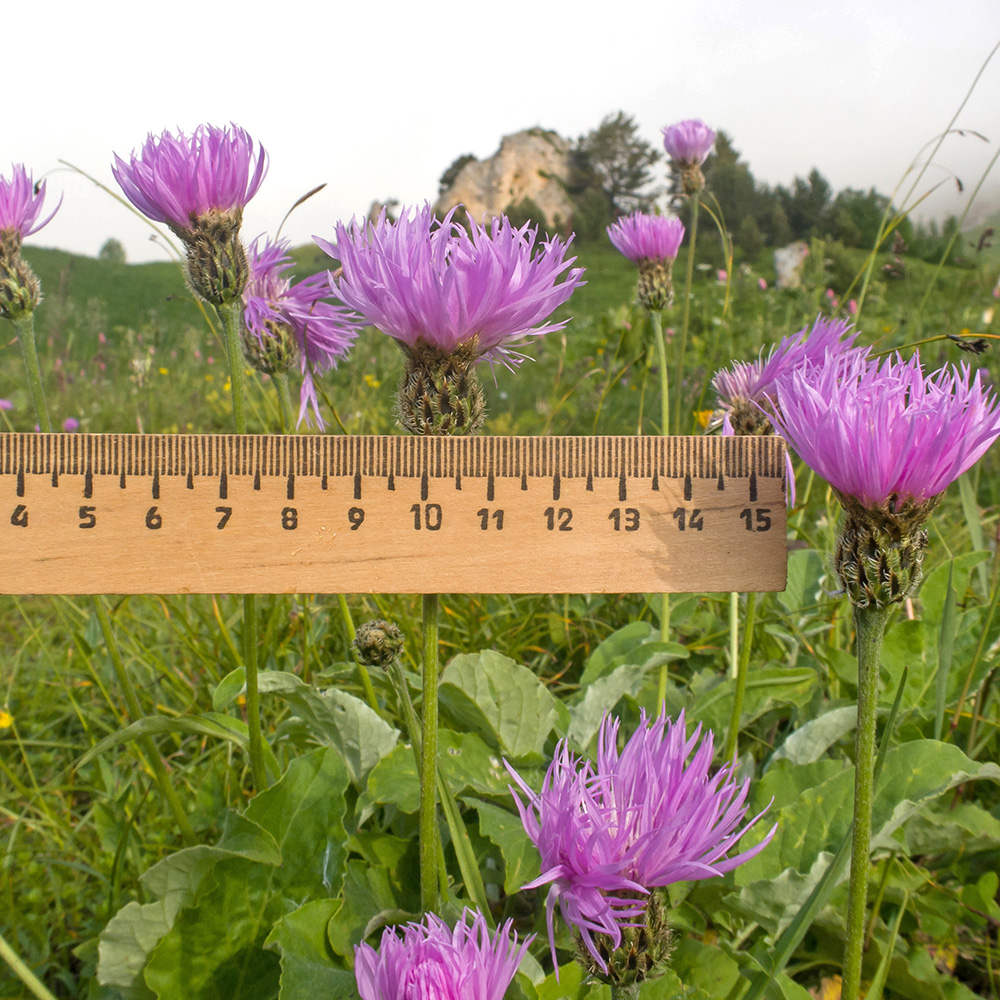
point(743, 669)
point(686, 314)
point(429, 834)
point(871, 623)
point(661, 349)
point(25, 327)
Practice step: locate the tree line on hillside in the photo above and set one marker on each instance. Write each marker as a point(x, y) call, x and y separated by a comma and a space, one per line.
point(613, 174)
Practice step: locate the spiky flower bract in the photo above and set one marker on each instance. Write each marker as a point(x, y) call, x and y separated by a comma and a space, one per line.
point(451, 295)
point(293, 324)
point(746, 391)
point(652, 241)
point(430, 961)
point(889, 440)
point(198, 185)
point(636, 820)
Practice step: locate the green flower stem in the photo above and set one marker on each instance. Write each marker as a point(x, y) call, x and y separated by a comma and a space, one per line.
point(743, 669)
point(686, 315)
point(147, 743)
point(661, 349)
point(870, 623)
point(231, 315)
point(734, 634)
point(25, 327)
point(429, 835)
point(20, 969)
point(366, 678)
point(285, 407)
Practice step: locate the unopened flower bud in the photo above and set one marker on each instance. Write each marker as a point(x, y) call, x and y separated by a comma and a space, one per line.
point(20, 291)
point(217, 267)
point(275, 351)
point(656, 286)
point(378, 642)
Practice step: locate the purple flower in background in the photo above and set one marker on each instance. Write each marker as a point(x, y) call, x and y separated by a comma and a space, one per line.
point(652, 241)
point(293, 323)
point(21, 203)
point(647, 237)
point(420, 280)
point(432, 962)
point(689, 141)
point(886, 434)
point(450, 296)
point(688, 144)
point(746, 391)
point(6, 404)
point(176, 179)
point(637, 820)
point(71, 425)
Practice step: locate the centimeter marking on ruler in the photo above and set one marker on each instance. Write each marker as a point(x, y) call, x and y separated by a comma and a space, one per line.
point(118, 513)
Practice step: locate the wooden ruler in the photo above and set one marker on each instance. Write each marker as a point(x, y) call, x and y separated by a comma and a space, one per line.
point(159, 513)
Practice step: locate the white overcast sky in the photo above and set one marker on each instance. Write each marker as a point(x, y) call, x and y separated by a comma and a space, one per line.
point(377, 97)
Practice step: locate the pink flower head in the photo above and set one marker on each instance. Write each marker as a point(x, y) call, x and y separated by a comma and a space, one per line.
point(647, 237)
point(71, 425)
point(418, 279)
point(638, 819)
point(688, 141)
point(885, 433)
point(323, 330)
point(177, 178)
point(6, 404)
point(21, 203)
point(852, 306)
point(755, 382)
point(432, 962)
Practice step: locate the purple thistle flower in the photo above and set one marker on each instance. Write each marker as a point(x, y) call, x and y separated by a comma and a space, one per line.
point(746, 391)
point(432, 962)
point(689, 141)
point(886, 434)
point(175, 179)
point(640, 819)
point(647, 237)
point(21, 204)
point(323, 331)
point(420, 280)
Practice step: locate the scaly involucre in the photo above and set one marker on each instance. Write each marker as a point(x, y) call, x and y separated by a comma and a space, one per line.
point(756, 381)
point(609, 832)
point(440, 283)
point(323, 330)
point(21, 204)
point(175, 179)
point(689, 141)
point(432, 962)
point(647, 237)
point(886, 433)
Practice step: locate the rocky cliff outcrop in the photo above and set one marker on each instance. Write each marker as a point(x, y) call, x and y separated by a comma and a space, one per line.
point(532, 166)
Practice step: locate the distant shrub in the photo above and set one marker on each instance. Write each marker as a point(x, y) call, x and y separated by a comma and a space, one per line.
point(112, 251)
point(526, 210)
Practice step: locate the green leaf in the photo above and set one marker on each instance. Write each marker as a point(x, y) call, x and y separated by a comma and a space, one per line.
point(333, 718)
point(946, 646)
point(806, 569)
point(229, 688)
point(766, 689)
point(516, 706)
point(215, 947)
point(704, 967)
point(367, 893)
point(601, 697)
point(808, 743)
point(133, 932)
point(504, 828)
point(626, 646)
point(308, 966)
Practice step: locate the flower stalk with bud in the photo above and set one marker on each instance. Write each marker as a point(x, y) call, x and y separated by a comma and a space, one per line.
point(451, 296)
point(198, 185)
point(889, 440)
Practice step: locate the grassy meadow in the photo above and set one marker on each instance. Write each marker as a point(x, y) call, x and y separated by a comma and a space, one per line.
point(125, 348)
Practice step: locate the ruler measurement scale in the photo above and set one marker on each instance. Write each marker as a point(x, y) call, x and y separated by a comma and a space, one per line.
point(392, 514)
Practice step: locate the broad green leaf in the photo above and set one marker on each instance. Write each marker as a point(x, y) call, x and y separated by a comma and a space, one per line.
point(808, 743)
point(504, 828)
point(601, 698)
point(333, 718)
point(229, 688)
point(467, 763)
point(308, 966)
point(804, 586)
point(214, 948)
point(960, 828)
point(133, 932)
point(704, 967)
point(773, 902)
point(367, 892)
point(766, 689)
point(518, 708)
point(636, 643)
